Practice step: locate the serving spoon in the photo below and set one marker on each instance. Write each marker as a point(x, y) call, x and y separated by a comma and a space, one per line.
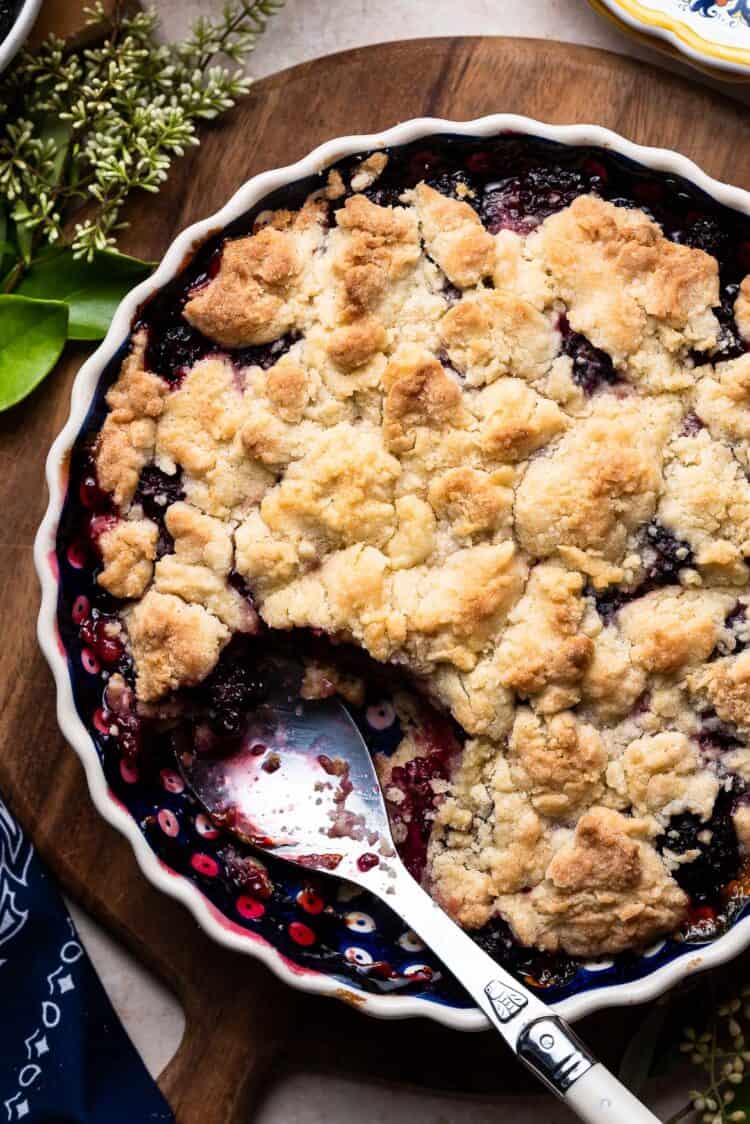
point(300, 783)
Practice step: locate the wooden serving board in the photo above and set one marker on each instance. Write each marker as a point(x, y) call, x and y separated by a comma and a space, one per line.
point(240, 1019)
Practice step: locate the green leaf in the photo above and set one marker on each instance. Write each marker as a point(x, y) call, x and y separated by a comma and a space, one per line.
point(60, 132)
point(92, 290)
point(32, 336)
point(638, 1057)
point(25, 239)
point(5, 246)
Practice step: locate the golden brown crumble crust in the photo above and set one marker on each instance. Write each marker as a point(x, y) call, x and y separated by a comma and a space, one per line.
point(421, 474)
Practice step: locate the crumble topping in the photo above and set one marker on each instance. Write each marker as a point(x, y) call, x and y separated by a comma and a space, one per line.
point(128, 550)
point(513, 463)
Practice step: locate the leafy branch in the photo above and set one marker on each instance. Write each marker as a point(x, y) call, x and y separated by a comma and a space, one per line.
point(82, 129)
point(722, 1053)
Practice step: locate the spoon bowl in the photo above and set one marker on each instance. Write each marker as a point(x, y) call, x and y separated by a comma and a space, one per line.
point(298, 780)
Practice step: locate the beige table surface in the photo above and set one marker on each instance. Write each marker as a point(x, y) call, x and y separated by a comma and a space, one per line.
point(306, 29)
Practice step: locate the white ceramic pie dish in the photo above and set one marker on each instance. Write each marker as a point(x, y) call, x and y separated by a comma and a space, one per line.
point(657, 981)
point(19, 32)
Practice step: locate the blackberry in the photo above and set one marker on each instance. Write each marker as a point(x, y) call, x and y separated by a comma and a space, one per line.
point(235, 685)
point(610, 602)
point(521, 202)
point(454, 184)
point(156, 492)
point(703, 233)
point(451, 293)
point(664, 556)
point(718, 860)
point(544, 969)
point(592, 368)
point(691, 424)
point(729, 344)
point(264, 355)
point(383, 195)
point(717, 738)
point(738, 623)
point(174, 348)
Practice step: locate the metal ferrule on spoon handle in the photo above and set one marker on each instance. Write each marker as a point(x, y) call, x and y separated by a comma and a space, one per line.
point(543, 1042)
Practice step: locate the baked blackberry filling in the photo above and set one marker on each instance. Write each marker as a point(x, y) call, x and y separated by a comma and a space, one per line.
point(592, 368)
point(436, 407)
point(717, 863)
point(521, 202)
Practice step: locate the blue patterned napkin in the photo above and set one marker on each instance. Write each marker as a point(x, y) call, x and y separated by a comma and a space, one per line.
point(64, 1056)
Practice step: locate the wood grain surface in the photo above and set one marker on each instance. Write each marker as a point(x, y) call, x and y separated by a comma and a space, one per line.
point(70, 21)
point(241, 1021)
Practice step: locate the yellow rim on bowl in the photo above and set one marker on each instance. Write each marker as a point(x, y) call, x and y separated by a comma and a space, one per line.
point(729, 62)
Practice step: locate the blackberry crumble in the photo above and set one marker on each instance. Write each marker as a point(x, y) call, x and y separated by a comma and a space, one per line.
point(482, 415)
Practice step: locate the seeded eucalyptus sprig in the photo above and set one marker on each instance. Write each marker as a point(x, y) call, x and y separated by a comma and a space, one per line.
point(721, 1051)
point(80, 129)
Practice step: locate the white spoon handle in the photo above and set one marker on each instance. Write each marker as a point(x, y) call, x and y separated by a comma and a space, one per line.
point(544, 1042)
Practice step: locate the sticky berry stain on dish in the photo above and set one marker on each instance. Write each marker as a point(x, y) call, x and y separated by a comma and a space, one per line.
point(463, 429)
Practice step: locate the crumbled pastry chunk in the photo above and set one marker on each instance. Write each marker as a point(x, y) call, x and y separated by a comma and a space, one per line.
point(500, 462)
point(742, 309)
point(198, 568)
point(644, 300)
point(559, 761)
point(255, 295)
point(341, 492)
point(671, 629)
point(496, 332)
point(612, 683)
point(601, 481)
point(201, 431)
point(741, 820)
point(174, 644)
point(605, 890)
point(706, 502)
point(725, 685)
point(126, 441)
point(515, 420)
point(368, 171)
point(722, 402)
point(445, 613)
point(288, 389)
point(472, 502)
point(544, 646)
point(454, 236)
point(128, 551)
point(517, 271)
point(487, 841)
point(419, 395)
point(377, 247)
point(662, 776)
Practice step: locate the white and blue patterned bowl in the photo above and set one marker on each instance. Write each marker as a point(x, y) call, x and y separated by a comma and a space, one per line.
point(713, 35)
point(324, 938)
